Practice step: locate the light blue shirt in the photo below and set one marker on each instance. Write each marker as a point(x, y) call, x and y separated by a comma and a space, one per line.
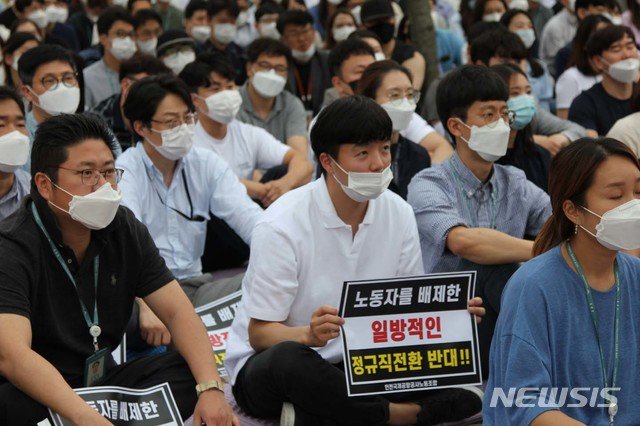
point(213, 189)
point(545, 338)
point(100, 83)
point(12, 199)
point(449, 194)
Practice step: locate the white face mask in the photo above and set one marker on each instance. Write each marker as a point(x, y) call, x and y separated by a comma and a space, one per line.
point(177, 61)
point(14, 151)
point(528, 36)
point(519, 4)
point(379, 56)
point(625, 71)
point(176, 143)
point(201, 32)
point(224, 33)
point(401, 114)
point(268, 83)
point(148, 47)
point(304, 56)
point(122, 3)
point(365, 186)
point(39, 17)
point(223, 106)
point(492, 17)
point(61, 100)
point(56, 14)
point(269, 30)
point(489, 142)
point(619, 228)
point(123, 48)
point(95, 210)
point(342, 33)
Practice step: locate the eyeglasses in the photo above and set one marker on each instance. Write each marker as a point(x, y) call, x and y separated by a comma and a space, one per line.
point(266, 66)
point(91, 177)
point(123, 34)
point(298, 34)
point(491, 118)
point(147, 33)
point(396, 96)
point(50, 82)
point(189, 119)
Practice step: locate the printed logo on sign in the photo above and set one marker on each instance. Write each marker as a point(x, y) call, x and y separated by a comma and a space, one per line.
point(553, 397)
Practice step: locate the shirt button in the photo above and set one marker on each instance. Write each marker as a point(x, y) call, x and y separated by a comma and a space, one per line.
point(69, 261)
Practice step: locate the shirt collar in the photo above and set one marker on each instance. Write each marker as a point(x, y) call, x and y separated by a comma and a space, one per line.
point(468, 179)
point(151, 168)
point(324, 205)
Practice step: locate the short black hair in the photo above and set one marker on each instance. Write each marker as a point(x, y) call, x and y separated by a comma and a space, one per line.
point(268, 8)
point(10, 94)
point(586, 28)
point(110, 16)
point(346, 49)
point(353, 119)
point(360, 34)
point(463, 86)
point(584, 4)
point(480, 28)
point(21, 5)
point(602, 39)
point(231, 6)
point(143, 16)
point(32, 59)
point(145, 96)
point(195, 5)
point(142, 63)
point(130, 4)
point(16, 40)
point(501, 43)
point(293, 17)
point(269, 47)
point(198, 73)
point(60, 132)
point(219, 62)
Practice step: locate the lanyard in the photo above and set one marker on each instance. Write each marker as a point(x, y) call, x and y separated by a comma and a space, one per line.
point(191, 217)
point(613, 408)
point(304, 94)
point(494, 202)
point(92, 324)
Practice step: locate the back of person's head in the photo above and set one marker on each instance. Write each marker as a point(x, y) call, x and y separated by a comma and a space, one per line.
point(480, 28)
point(585, 4)
point(268, 47)
point(110, 16)
point(195, 5)
point(360, 34)
point(460, 88)
point(10, 94)
point(32, 59)
point(602, 39)
point(298, 18)
point(56, 134)
point(143, 16)
point(229, 6)
point(21, 5)
point(145, 96)
point(198, 74)
point(142, 64)
point(268, 8)
point(586, 27)
point(346, 49)
point(349, 120)
point(572, 173)
point(373, 75)
point(501, 44)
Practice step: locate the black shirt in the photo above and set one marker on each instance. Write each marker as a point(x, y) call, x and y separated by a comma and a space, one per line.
point(407, 159)
point(595, 109)
point(33, 283)
point(402, 52)
point(535, 164)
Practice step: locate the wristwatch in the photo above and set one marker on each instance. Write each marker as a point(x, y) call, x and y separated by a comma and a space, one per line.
point(211, 384)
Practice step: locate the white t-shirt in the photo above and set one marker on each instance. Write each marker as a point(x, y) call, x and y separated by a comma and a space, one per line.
point(244, 147)
point(418, 128)
point(627, 131)
point(570, 84)
point(304, 254)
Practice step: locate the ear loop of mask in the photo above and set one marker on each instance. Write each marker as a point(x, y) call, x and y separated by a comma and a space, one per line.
point(585, 229)
point(61, 189)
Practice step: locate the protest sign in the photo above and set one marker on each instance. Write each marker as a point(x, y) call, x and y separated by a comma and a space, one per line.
point(217, 317)
point(154, 406)
point(409, 334)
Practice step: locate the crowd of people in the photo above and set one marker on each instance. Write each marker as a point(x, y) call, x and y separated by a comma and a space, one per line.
point(159, 155)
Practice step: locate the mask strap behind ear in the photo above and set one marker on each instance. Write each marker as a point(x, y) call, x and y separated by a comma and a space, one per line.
point(595, 214)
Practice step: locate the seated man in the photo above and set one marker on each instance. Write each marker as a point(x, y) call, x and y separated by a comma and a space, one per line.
point(245, 147)
point(470, 211)
point(75, 262)
point(14, 152)
point(266, 20)
point(264, 103)
point(110, 110)
point(309, 73)
point(176, 49)
point(612, 50)
point(197, 20)
point(282, 346)
point(147, 25)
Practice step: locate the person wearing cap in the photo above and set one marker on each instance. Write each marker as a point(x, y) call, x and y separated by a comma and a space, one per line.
point(378, 17)
point(176, 49)
point(309, 74)
point(117, 37)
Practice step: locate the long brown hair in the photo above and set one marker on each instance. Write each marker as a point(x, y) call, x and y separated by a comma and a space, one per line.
point(571, 175)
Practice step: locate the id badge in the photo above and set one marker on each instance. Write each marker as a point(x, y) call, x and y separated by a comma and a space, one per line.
point(95, 367)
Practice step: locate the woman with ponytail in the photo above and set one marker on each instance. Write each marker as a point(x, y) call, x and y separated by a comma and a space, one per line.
point(567, 330)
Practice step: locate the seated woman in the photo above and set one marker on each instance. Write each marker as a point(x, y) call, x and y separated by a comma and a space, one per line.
point(523, 152)
point(566, 339)
point(391, 86)
point(340, 25)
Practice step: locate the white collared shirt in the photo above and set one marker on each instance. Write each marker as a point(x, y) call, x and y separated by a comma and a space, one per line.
point(213, 189)
point(245, 147)
point(302, 252)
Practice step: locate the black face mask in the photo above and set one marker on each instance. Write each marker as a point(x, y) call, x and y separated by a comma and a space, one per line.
point(384, 31)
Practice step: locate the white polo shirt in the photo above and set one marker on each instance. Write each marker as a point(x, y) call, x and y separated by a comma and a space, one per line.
point(302, 252)
point(245, 147)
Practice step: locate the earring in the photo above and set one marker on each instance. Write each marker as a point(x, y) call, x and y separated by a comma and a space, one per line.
point(576, 231)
